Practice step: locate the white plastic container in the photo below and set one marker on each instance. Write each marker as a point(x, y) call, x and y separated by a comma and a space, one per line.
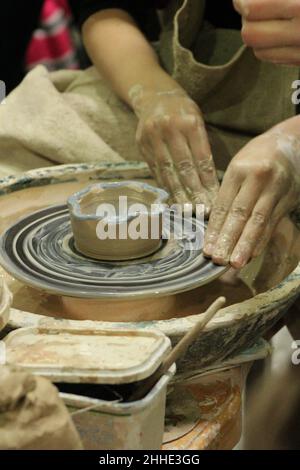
point(110, 358)
point(121, 426)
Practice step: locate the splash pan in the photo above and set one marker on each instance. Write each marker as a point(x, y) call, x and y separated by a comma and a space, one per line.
point(275, 281)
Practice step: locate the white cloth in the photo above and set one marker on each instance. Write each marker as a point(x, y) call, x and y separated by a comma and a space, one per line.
point(64, 117)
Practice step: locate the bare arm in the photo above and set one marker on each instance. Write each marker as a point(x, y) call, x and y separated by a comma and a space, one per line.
point(171, 133)
point(123, 55)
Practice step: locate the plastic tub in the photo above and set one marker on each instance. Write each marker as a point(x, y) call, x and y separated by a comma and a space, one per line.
point(121, 426)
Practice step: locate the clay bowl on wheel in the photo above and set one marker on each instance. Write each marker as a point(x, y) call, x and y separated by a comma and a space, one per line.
point(104, 216)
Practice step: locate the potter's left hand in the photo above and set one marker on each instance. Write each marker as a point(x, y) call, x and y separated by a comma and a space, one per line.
point(272, 29)
point(260, 187)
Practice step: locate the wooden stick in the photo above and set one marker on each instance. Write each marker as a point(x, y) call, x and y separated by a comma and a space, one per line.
point(179, 349)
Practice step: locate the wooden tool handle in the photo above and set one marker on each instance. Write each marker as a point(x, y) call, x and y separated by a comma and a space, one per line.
point(180, 348)
point(192, 335)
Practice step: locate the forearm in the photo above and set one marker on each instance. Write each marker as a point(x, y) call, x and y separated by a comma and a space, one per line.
point(123, 55)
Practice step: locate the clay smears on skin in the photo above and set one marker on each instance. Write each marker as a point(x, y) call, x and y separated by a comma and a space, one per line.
point(289, 146)
point(137, 92)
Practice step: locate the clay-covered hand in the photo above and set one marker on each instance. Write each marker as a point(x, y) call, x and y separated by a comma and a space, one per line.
point(172, 137)
point(272, 29)
point(260, 187)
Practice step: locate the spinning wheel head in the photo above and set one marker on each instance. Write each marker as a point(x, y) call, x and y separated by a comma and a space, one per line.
point(39, 251)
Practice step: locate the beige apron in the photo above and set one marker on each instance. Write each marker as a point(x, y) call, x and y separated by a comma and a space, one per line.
point(239, 95)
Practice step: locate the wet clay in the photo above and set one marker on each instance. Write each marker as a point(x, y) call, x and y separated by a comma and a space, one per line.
point(32, 415)
point(101, 228)
point(163, 308)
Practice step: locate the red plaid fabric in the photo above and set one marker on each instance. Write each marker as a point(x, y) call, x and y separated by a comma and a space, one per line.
point(52, 44)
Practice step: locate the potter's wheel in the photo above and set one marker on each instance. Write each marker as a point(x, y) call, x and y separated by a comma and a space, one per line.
point(39, 251)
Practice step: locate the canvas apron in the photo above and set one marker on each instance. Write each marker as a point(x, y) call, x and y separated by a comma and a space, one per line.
point(239, 95)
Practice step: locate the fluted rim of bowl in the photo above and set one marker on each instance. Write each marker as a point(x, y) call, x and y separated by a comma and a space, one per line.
point(74, 200)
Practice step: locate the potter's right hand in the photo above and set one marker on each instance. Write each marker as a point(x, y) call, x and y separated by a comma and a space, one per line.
point(172, 137)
